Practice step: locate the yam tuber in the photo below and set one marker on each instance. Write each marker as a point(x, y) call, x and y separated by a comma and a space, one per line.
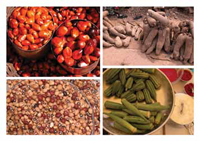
point(152, 47)
point(105, 13)
point(105, 28)
point(120, 29)
point(118, 42)
point(167, 40)
point(163, 20)
point(106, 19)
point(138, 33)
point(161, 40)
point(191, 61)
point(106, 44)
point(126, 41)
point(151, 21)
point(161, 13)
point(107, 24)
point(107, 37)
point(134, 29)
point(191, 24)
point(150, 37)
point(179, 43)
point(128, 29)
point(182, 49)
point(146, 30)
point(114, 32)
point(188, 48)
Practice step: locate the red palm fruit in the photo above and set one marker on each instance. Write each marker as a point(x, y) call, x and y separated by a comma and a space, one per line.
point(57, 42)
point(43, 34)
point(84, 37)
point(15, 31)
point(81, 44)
point(69, 61)
point(71, 44)
point(68, 23)
point(30, 38)
point(21, 18)
point(86, 59)
point(88, 49)
point(97, 52)
point(21, 38)
point(74, 32)
point(67, 52)
point(36, 27)
point(25, 43)
point(77, 54)
point(34, 46)
point(58, 50)
point(60, 58)
point(90, 75)
point(10, 34)
point(13, 23)
point(93, 58)
point(22, 31)
point(82, 26)
point(62, 31)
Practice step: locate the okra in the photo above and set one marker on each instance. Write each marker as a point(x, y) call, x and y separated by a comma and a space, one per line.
point(131, 98)
point(151, 89)
point(149, 70)
point(155, 81)
point(144, 126)
point(140, 75)
point(125, 94)
point(119, 113)
point(152, 119)
point(122, 128)
point(131, 107)
point(116, 86)
point(151, 107)
point(158, 118)
point(122, 122)
point(138, 86)
point(140, 96)
point(113, 105)
point(108, 91)
point(147, 96)
point(145, 113)
point(129, 83)
point(136, 119)
point(122, 77)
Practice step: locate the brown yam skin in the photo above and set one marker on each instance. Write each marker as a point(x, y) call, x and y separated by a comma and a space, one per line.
point(191, 24)
point(118, 42)
point(191, 61)
point(106, 19)
point(106, 44)
point(105, 28)
point(128, 29)
point(151, 21)
point(120, 29)
point(134, 30)
point(189, 43)
point(107, 37)
point(163, 20)
point(139, 30)
point(152, 47)
point(107, 24)
point(182, 50)
point(146, 29)
point(126, 41)
point(161, 40)
point(105, 13)
point(114, 32)
point(179, 43)
point(147, 43)
point(167, 40)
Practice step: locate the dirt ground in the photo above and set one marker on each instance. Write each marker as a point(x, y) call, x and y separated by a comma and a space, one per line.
point(132, 54)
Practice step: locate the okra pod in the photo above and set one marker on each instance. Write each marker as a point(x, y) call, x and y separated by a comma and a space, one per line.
point(119, 113)
point(122, 122)
point(147, 114)
point(122, 128)
point(136, 119)
point(149, 70)
point(131, 107)
point(113, 105)
point(108, 91)
point(151, 107)
point(144, 126)
point(158, 118)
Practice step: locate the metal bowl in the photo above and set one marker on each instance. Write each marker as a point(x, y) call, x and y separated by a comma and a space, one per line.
point(165, 95)
point(32, 54)
point(75, 70)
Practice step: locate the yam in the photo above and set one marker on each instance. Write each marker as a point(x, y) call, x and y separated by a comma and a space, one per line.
point(161, 40)
point(108, 20)
point(148, 41)
point(146, 30)
point(179, 43)
point(167, 40)
point(120, 29)
point(107, 37)
point(191, 25)
point(152, 47)
point(134, 29)
point(163, 20)
point(107, 24)
point(105, 13)
point(189, 44)
point(128, 28)
point(182, 49)
point(105, 28)
point(191, 61)
point(126, 41)
point(161, 13)
point(151, 21)
point(114, 32)
point(137, 34)
point(118, 42)
point(106, 44)
point(184, 29)
point(150, 37)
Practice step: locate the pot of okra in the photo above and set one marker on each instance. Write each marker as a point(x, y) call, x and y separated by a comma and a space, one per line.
point(136, 101)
